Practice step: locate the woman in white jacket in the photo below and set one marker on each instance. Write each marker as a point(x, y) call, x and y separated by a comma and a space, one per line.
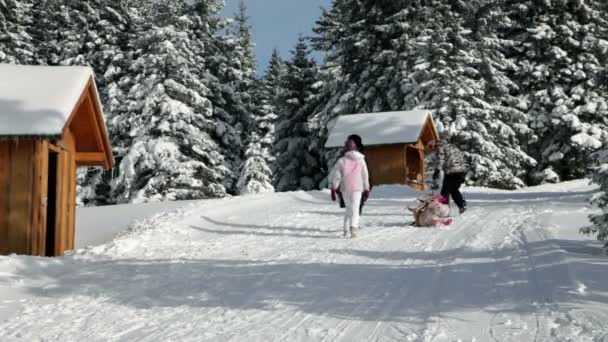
point(351, 175)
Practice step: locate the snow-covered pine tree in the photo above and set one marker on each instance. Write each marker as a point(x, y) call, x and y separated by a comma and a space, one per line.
point(256, 173)
point(371, 50)
point(331, 37)
point(269, 91)
point(165, 122)
point(470, 96)
point(17, 46)
point(363, 44)
point(108, 28)
point(61, 28)
point(403, 55)
point(297, 165)
point(599, 221)
point(561, 46)
point(242, 32)
point(231, 69)
point(69, 33)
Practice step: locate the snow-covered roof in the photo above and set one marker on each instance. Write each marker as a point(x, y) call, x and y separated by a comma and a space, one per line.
point(38, 100)
point(379, 128)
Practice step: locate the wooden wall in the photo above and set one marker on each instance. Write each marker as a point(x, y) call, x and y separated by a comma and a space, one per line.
point(66, 195)
point(22, 196)
point(25, 177)
point(24, 180)
point(396, 164)
point(386, 164)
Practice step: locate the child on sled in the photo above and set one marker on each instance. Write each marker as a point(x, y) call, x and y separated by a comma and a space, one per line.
point(432, 211)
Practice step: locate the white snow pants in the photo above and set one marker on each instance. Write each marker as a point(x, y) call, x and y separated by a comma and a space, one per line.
point(352, 200)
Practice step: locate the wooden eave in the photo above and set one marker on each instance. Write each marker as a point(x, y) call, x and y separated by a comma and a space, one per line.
point(86, 122)
point(429, 126)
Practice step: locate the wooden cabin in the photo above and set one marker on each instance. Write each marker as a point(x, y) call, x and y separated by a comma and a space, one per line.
point(50, 123)
point(395, 143)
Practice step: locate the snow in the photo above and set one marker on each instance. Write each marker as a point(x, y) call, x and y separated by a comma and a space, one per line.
point(98, 225)
point(586, 140)
point(38, 100)
point(379, 128)
point(273, 267)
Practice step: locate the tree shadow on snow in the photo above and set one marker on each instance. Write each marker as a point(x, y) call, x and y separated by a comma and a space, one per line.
point(397, 286)
point(365, 213)
point(264, 230)
point(499, 199)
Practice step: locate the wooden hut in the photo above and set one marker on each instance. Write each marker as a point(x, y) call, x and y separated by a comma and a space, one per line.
point(50, 122)
point(394, 143)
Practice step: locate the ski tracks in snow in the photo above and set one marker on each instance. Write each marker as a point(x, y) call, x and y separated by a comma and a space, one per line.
point(274, 267)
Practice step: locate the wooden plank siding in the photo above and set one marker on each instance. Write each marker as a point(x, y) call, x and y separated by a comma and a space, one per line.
point(23, 196)
point(24, 180)
point(5, 168)
point(20, 184)
point(90, 158)
point(35, 199)
point(386, 163)
point(71, 194)
point(396, 164)
point(21, 187)
point(428, 133)
point(65, 201)
point(62, 204)
point(42, 197)
point(69, 186)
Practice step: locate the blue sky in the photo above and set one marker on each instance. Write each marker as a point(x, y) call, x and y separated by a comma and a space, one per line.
point(277, 23)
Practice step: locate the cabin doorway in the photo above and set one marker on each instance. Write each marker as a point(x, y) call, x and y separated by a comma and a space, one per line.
point(51, 205)
point(414, 161)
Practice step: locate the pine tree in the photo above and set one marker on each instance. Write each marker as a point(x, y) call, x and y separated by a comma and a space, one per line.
point(17, 46)
point(256, 173)
point(297, 164)
point(270, 90)
point(231, 70)
point(560, 47)
point(363, 42)
point(107, 49)
point(599, 221)
point(470, 96)
point(242, 31)
point(403, 55)
point(61, 27)
point(168, 150)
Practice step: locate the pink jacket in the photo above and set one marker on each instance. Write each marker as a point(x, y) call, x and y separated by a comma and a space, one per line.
point(350, 173)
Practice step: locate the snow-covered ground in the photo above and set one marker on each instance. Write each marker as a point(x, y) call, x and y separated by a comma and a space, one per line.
point(273, 267)
point(97, 225)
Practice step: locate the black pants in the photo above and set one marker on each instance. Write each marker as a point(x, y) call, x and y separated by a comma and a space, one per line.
point(343, 205)
point(451, 186)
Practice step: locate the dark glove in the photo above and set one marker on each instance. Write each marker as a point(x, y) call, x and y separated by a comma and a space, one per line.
point(365, 195)
point(435, 185)
point(333, 194)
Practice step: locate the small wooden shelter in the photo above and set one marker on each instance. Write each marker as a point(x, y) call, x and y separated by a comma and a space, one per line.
point(395, 143)
point(50, 122)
